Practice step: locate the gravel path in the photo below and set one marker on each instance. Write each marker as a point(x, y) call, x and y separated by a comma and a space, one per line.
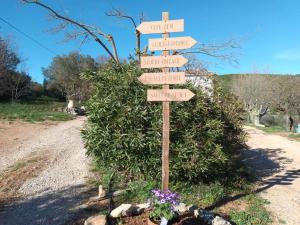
point(276, 160)
point(54, 195)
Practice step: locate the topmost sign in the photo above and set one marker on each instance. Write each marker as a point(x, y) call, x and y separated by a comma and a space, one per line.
point(158, 27)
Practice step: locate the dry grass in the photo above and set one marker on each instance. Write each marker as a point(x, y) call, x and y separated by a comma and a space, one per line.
point(15, 176)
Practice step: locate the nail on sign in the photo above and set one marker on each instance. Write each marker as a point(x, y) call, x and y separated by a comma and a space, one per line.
point(167, 95)
point(162, 78)
point(158, 27)
point(171, 43)
point(162, 61)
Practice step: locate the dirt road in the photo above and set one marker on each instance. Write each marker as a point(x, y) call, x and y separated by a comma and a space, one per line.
point(45, 166)
point(276, 160)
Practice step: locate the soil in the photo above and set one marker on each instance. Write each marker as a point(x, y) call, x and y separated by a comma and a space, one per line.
point(236, 205)
point(44, 171)
point(142, 220)
point(13, 178)
point(276, 162)
point(14, 133)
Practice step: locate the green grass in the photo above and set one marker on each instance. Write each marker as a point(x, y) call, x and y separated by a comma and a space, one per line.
point(38, 110)
point(281, 130)
point(295, 137)
point(273, 129)
point(255, 213)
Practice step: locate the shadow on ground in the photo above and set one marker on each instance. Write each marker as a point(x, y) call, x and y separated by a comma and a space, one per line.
point(47, 208)
point(264, 162)
point(267, 163)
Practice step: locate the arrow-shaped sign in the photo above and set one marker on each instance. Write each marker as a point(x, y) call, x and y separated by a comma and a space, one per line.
point(171, 43)
point(162, 61)
point(167, 95)
point(163, 78)
point(157, 27)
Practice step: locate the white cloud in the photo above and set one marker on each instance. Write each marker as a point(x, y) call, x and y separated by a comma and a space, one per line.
point(290, 54)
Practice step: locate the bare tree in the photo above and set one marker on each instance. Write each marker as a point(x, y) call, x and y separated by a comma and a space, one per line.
point(255, 91)
point(224, 51)
point(261, 93)
point(195, 66)
point(16, 84)
point(121, 14)
point(8, 57)
point(83, 30)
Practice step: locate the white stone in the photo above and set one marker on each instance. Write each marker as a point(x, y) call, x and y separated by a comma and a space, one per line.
point(121, 210)
point(96, 220)
point(196, 213)
point(181, 208)
point(101, 192)
point(220, 221)
point(144, 205)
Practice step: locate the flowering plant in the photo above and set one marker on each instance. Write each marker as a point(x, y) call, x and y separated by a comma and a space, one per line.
point(163, 205)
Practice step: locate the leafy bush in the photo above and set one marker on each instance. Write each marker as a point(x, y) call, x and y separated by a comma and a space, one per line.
point(124, 131)
point(213, 194)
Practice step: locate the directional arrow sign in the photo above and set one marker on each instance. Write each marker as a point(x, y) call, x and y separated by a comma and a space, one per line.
point(162, 61)
point(157, 27)
point(163, 78)
point(171, 43)
point(167, 95)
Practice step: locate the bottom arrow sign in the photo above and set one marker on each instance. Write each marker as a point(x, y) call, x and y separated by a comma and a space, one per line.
point(169, 95)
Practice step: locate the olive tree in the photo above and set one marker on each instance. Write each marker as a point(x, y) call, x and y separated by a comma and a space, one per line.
point(63, 74)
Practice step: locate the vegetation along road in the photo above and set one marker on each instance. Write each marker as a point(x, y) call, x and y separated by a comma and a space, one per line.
point(43, 169)
point(276, 160)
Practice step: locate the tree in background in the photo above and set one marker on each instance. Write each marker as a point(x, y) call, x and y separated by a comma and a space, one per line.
point(17, 84)
point(8, 57)
point(63, 75)
point(13, 84)
point(37, 90)
point(8, 62)
point(261, 92)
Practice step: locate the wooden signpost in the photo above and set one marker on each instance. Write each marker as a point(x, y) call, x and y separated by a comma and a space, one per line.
point(165, 95)
point(163, 78)
point(171, 43)
point(162, 61)
point(161, 27)
point(169, 95)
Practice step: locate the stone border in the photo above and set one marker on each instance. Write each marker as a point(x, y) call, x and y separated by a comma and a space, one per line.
point(125, 210)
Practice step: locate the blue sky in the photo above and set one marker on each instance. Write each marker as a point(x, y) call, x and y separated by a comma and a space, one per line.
point(267, 30)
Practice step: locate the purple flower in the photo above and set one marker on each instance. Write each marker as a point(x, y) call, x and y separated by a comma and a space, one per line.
point(162, 201)
point(166, 197)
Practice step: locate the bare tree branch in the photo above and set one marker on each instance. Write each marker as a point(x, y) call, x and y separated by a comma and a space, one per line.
point(121, 14)
point(118, 13)
point(91, 30)
point(222, 51)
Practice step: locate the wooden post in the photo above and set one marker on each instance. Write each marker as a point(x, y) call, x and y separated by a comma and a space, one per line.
point(166, 123)
point(165, 61)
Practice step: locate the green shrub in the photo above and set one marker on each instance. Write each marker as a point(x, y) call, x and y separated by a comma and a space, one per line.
point(214, 194)
point(124, 131)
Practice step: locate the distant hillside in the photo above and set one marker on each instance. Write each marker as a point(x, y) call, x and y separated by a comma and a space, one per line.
point(228, 79)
